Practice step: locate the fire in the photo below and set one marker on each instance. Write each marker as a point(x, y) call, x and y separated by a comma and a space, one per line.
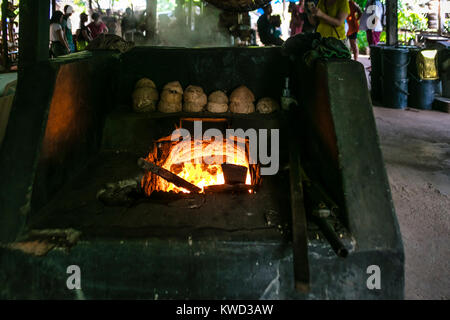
point(199, 162)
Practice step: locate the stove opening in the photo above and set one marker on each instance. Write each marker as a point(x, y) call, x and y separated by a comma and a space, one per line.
point(216, 163)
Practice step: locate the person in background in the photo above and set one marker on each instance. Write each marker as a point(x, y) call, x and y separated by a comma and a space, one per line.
point(59, 45)
point(83, 34)
point(330, 16)
point(111, 21)
point(353, 27)
point(297, 17)
point(275, 21)
point(67, 26)
point(307, 26)
point(97, 27)
point(372, 21)
point(129, 25)
point(266, 28)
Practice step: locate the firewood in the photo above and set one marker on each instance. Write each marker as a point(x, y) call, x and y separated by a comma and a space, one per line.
point(228, 188)
point(234, 174)
point(167, 175)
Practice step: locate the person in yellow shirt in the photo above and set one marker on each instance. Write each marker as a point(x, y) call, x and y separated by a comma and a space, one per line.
point(330, 16)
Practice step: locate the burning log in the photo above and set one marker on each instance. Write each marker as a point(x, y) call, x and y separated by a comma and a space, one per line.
point(167, 175)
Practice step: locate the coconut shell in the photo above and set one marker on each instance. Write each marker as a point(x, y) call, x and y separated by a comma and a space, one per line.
point(242, 107)
point(217, 107)
point(218, 97)
point(170, 102)
point(242, 94)
point(267, 105)
point(193, 107)
point(195, 99)
point(217, 102)
point(145, 99)
point(174, 86)
point(145, 83)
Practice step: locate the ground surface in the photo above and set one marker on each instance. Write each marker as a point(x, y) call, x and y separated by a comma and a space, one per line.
point(416, 149)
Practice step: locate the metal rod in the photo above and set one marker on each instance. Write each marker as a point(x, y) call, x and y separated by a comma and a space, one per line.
point(331, 236)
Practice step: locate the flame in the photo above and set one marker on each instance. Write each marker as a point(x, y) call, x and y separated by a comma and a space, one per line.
point(199, 162)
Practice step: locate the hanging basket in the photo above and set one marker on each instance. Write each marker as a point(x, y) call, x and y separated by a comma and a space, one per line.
point(239, 5)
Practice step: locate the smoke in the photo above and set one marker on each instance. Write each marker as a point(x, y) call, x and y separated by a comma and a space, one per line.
point(199, 29)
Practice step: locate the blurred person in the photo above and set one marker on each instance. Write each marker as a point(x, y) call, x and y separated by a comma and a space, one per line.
point(275, 21)
point(266, 28)
point(307, 26)
point(67, 26)
point(372, 21)
point(129, 25)
point(353, 27)
point(329, 16)
point(111, 21)
point(83, 34)
point(97, 26)
point(297, 17)
point(59, 45)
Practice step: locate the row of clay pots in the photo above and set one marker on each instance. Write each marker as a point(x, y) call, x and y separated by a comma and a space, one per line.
point(193, 99)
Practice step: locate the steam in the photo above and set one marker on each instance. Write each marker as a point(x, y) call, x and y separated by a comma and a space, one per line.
point(202, 30)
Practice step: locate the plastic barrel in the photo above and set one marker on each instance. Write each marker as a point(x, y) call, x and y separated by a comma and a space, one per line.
point(412, 66)
point(375, 74)
point(421, 93)
point(444, 57)
point(395, 63)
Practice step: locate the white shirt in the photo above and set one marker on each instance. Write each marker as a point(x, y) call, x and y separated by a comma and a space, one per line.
point(54, 29)
point(367, 21)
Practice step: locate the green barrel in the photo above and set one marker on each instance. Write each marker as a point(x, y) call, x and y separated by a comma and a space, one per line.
point(444, 71)
point(375, 73)
point(395, 61)
point(421, 92)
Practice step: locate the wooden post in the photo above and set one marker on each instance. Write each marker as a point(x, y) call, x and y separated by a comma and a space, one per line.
point(391, 22)
point(151, 18)
point(441, 17)
point(5, 47)
point(190, 16)
point(34, 31)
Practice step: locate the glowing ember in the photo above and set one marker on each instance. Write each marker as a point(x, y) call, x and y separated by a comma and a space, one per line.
point(200, 162)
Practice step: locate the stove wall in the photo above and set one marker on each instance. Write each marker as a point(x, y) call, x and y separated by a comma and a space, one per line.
point(261, 69)
point(54, 129)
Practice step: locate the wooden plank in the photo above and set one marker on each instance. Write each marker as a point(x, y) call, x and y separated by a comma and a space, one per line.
point(299, 227)
point(167, 175)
